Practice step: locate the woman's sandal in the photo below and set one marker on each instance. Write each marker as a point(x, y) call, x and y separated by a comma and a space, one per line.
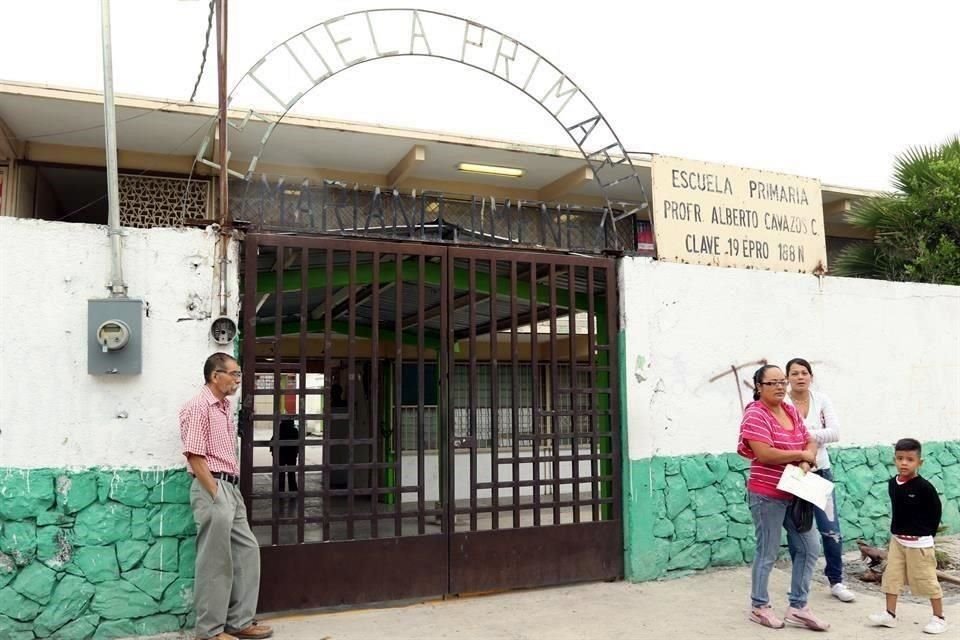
point(765, 616)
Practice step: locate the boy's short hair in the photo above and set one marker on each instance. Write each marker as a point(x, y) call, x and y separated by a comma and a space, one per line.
point(908, 444)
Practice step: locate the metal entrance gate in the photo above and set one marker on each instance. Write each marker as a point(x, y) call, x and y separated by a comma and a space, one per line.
point(422, 420)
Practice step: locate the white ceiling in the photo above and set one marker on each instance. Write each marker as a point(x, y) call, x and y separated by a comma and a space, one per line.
point(69, 117)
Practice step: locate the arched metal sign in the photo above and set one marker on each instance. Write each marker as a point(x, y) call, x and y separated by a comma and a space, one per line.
point(294, 67)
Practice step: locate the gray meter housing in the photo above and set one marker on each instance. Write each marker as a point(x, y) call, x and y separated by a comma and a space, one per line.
point(114, 336)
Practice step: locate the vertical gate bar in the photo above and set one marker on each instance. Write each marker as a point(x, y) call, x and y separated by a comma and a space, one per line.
point(421, 432)
point(374, 412)
point(327, 395)
point(514, 395)
point(249, 367)
point(472, 395)
point(603, 399)
point(591, 345)
point(278, 398)
point(535, 373)
point(440, 387)
point(398, 392)
point(447, 423)
point(302, 399)
point(494, 396)
point(556, 422)
point(574, 396)
point(384, 438)
point(351, 385)
point(613, 319)
point(444, 425)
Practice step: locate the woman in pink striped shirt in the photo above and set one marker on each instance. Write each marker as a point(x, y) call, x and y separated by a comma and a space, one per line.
point(772, 435)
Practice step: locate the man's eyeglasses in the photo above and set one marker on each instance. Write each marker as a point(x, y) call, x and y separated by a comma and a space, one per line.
point(775, 383)
point(235, 374)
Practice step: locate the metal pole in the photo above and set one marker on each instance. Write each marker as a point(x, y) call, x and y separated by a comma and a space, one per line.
point(222, 103)
point(116, 285)
point(224, 177)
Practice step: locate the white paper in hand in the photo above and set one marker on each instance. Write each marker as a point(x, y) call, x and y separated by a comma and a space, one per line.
point(809, 486)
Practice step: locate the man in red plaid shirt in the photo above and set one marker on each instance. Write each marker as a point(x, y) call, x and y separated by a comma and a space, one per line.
point(227, 576)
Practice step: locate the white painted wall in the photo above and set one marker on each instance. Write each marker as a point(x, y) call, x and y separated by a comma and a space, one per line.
point(54, 414)
point(887, 353)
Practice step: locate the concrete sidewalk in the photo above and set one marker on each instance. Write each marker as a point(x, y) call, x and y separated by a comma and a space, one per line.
point(706, 605)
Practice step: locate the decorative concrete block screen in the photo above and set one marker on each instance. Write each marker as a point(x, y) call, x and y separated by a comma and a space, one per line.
point(153, 201)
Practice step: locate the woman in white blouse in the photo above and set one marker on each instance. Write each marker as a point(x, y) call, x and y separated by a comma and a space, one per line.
point(821, 421)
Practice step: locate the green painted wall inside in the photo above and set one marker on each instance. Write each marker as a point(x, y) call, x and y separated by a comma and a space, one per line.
point(689, 512)
point(95, 554)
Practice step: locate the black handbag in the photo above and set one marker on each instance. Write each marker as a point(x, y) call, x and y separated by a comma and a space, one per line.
point(801, 512)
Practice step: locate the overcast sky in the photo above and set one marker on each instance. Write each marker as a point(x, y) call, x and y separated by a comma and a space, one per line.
point(831, 90)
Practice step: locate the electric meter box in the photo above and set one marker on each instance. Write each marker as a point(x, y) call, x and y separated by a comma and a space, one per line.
point(114, 336)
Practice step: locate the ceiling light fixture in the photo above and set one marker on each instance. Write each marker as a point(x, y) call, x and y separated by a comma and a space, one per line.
point(490, 170)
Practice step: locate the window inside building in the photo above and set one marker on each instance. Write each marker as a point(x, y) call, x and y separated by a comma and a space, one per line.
point(79, 194)
point(67, 194)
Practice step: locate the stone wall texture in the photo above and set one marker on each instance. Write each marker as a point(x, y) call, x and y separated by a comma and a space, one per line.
point(95, 554)
point(690, 512)
point(110, 553)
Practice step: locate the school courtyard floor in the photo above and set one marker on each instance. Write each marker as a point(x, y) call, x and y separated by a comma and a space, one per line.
point(711, 604)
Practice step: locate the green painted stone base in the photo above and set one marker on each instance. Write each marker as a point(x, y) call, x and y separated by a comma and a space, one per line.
point(690, 512)
point(95, 554)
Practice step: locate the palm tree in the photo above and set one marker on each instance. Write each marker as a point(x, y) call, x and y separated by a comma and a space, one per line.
point(916, 228)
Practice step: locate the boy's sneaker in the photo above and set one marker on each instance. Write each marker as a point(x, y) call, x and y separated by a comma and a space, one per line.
point(842, 593)
point(935, 626)
point(883, 619)
point(805, 618)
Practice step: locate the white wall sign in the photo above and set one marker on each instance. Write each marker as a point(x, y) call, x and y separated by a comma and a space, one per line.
point(725, 216)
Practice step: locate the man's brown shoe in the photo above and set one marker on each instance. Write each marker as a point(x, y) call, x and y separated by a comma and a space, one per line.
point(253, 632)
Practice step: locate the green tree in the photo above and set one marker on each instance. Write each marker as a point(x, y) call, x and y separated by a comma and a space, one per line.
point(916, 228)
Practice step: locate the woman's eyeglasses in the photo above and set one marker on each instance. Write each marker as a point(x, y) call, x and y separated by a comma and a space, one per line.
point(775, 383)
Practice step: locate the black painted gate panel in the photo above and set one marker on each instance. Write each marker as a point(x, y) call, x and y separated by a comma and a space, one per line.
point(533, 413)
point(420, 420)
